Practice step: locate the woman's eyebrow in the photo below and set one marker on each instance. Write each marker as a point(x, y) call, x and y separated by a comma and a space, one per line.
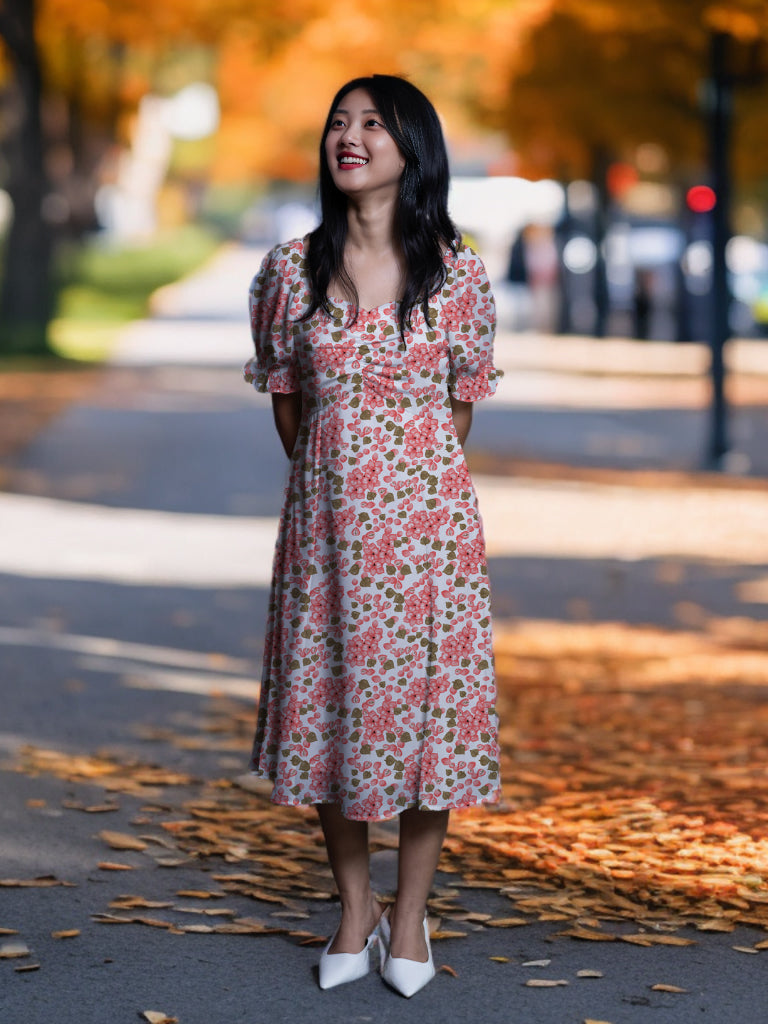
point(341, 110)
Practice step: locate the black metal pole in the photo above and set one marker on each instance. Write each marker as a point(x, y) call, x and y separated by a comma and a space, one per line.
point(719, 331)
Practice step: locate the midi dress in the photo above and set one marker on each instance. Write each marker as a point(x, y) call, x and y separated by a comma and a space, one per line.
point(378, 687)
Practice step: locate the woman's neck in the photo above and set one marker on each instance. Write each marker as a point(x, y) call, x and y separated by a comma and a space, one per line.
point(371, 225)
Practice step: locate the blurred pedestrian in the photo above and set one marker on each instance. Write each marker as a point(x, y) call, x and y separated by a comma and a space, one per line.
point(374, 335)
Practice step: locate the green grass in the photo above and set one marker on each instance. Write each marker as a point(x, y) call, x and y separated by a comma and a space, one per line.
point(103, 288)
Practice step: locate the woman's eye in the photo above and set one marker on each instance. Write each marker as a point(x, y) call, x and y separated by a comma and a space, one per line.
point(372, 122)
point(337, 123)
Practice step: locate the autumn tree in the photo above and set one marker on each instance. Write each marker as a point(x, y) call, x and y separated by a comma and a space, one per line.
point(602, 76)
point(25, 296)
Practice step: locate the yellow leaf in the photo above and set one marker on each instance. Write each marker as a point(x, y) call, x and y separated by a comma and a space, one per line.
point(122, 840)
point(588, 934)
point(589, 974)
point(668, 988)
point(448, 970)
point(545, 983)
point(14, 949)
point(132, 902)
point(111, 865)
point(69, 933)
point(715, 924)
point(499, 959)
point(656, 939)
point(506, 922)
point(444, 934)
point(200, 894)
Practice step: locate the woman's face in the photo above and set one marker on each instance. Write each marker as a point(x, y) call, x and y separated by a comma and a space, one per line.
point(362, 156)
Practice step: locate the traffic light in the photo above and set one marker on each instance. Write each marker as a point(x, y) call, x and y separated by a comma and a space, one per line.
point(701, 199)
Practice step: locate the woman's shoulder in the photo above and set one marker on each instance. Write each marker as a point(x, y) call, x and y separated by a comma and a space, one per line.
point(464, 266)
point(459, 254)
point(288, 254)
point(283, 264)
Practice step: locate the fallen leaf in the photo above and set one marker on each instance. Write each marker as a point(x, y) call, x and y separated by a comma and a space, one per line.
point(589, 1020)
point(499, 959)
point(668, 988)
point(588, 934)
point(14, 949)
point(36, 804)
point(655, 939)
point(448, 970)
point(746, 949)
point(158, 1017)
point(445, 934)
point(506, 922)
point(587, 973)
point(715, 924)
point(23, 968)
point(545, 983)
point(537, 963)
point(69, 933)
point(76, 805)
point(122, 840)
point(134, 902)
point(111, 865)
point(8, 931)
point(200, 894)
point(43, 882)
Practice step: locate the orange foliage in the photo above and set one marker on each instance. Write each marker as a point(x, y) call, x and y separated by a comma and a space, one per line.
point(559, 77)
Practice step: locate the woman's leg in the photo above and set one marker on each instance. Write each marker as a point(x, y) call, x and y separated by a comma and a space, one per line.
point(421, 840)
point(347, 845)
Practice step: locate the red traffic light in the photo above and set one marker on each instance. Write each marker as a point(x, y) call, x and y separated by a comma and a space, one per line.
point(701, 198)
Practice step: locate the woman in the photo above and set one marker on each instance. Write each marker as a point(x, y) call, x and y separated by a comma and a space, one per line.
point(374, 335)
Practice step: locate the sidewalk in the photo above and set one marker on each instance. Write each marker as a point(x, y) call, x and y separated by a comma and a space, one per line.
point(135, 561)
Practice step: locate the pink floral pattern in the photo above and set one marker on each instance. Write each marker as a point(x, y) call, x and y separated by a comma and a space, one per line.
point(378, 687)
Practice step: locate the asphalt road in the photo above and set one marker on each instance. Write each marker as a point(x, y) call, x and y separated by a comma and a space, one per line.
point(113, 625)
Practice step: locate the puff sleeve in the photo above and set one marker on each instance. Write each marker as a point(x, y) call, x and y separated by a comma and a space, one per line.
point(470, 322)
point(274, 307)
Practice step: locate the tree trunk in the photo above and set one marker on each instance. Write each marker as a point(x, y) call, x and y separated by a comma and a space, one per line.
point(720, 125)
point(601, 296)
point(26, 297)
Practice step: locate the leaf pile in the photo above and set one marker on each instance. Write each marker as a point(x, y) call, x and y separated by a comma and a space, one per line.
point(636, 789)
point(637, 784)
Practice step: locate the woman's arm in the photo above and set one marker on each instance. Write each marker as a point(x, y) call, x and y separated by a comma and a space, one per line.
point(287, 412)
point(462, 418)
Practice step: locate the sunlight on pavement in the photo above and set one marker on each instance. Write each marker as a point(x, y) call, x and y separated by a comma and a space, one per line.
point(144, 666)
point(52, 539)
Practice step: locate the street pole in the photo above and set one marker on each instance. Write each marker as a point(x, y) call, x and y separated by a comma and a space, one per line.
point(719, 331)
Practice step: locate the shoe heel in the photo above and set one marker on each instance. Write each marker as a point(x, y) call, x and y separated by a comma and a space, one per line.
point(383, 934)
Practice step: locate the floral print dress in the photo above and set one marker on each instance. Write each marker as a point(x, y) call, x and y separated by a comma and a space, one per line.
point(378, 686)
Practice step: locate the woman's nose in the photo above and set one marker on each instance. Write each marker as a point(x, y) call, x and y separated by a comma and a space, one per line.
point(350, 135)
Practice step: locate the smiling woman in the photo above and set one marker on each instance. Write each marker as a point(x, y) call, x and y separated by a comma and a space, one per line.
point(374, 335)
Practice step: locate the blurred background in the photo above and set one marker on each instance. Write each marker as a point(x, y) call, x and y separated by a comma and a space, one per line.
point(609, 160)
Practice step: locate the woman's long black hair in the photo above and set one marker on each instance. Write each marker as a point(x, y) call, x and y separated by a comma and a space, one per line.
point(423, 227)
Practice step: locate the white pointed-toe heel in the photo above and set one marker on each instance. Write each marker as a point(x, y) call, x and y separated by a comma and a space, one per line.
point(339, 968)
point(408, 976)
